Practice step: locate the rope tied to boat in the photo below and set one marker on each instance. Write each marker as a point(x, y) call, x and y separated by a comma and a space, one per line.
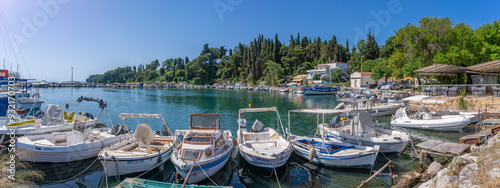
point(162, 162)
point(204, 172)
point(67, 179)
point(117, 177)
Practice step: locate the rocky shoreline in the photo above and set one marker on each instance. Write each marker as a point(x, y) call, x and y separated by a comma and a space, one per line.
point(479, 168)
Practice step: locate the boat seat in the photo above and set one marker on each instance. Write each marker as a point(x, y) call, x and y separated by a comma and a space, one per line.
point(43, 142)
point(257, 136)
point(60, 138)
point(261, 145)
point(260, 141)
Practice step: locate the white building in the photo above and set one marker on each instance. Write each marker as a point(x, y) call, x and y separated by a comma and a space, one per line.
point(324, 69)
point(367, 79)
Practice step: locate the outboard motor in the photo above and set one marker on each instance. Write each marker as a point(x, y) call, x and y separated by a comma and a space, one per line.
point(118, 129)
point(335, 120)
point(39, 114)
point(257, 126)
point(242, 122)
point(164, 130)
point(88, 115)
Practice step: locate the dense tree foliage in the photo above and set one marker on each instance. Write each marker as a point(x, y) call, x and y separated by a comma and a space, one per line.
point(432, 40)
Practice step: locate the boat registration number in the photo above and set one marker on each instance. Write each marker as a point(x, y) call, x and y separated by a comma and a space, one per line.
point(136, 161)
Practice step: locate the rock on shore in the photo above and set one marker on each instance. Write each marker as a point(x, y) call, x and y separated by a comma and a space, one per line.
point(480, 168)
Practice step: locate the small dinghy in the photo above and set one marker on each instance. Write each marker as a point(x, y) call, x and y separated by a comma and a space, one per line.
point(418, 116)
point(409, 117)
point(144, 151)
point(266, 148)
point(82, 142)
point(204, 148)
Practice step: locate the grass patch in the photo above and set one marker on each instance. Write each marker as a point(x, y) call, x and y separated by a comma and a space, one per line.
point(486, 157)
point(24, 177)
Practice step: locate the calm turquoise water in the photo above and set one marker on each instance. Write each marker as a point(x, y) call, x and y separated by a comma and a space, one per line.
point(176, 105)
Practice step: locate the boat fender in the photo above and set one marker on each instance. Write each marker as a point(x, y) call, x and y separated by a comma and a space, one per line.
point(311, 153)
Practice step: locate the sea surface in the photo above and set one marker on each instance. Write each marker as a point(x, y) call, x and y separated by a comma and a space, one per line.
point(175, 105)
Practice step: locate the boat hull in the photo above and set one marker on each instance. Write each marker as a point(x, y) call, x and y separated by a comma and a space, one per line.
point(377, 111)
point(63, 153)
point(264, 162)
point(365, 158)
point(451, 124)
point(389, 145)
point(124, 166)
point(205, 167)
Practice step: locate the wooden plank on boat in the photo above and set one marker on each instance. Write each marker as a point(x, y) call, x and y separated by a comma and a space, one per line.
point(491, 122)
point(138, 182)
point(481, 134)
point(480, 137)
point(444, 147)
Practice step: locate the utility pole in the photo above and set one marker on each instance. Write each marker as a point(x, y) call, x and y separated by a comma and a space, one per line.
point(71, 75)
point(361, 84)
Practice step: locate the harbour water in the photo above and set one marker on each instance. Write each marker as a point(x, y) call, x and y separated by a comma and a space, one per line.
point(177, 104)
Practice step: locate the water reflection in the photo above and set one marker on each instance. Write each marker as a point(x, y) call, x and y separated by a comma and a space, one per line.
point(251, 176)
point(61, 173)
point(312, 175)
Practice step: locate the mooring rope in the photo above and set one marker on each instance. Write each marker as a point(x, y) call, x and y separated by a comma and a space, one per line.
point(58, 181)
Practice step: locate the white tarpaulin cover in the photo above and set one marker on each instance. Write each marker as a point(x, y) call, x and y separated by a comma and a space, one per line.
point(53, 115)
point(425, 99)
point(144, 135)
point(362, 124)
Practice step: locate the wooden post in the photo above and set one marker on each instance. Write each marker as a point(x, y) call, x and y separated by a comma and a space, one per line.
point(363, 183)
point(187, 177)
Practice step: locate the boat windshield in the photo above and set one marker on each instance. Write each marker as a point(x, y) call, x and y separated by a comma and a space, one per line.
point(199, 140)
point(205, 121)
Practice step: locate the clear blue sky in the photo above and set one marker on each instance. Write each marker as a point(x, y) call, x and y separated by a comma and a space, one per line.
point(94, 36)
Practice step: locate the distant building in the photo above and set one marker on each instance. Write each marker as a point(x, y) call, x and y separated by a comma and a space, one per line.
point(299, 79)
point(367, 79)
point(325, 69)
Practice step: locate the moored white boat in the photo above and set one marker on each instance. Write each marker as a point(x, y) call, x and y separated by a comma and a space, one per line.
point(375, 108)
point(361, 131)
point(334, 154)
point(414, 117)
point(319, 90)
point(82, 142)
point(329, 153)
point(428, 121)
point(267, 149)
point(54, 119)
point(204, 148)
point(144, 151)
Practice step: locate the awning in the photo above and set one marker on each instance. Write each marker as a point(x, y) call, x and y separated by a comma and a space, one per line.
point(319, 111)
point(487, 67)
point(440, 70)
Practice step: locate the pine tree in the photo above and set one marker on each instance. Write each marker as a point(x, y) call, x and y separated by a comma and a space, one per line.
point(371, 51)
